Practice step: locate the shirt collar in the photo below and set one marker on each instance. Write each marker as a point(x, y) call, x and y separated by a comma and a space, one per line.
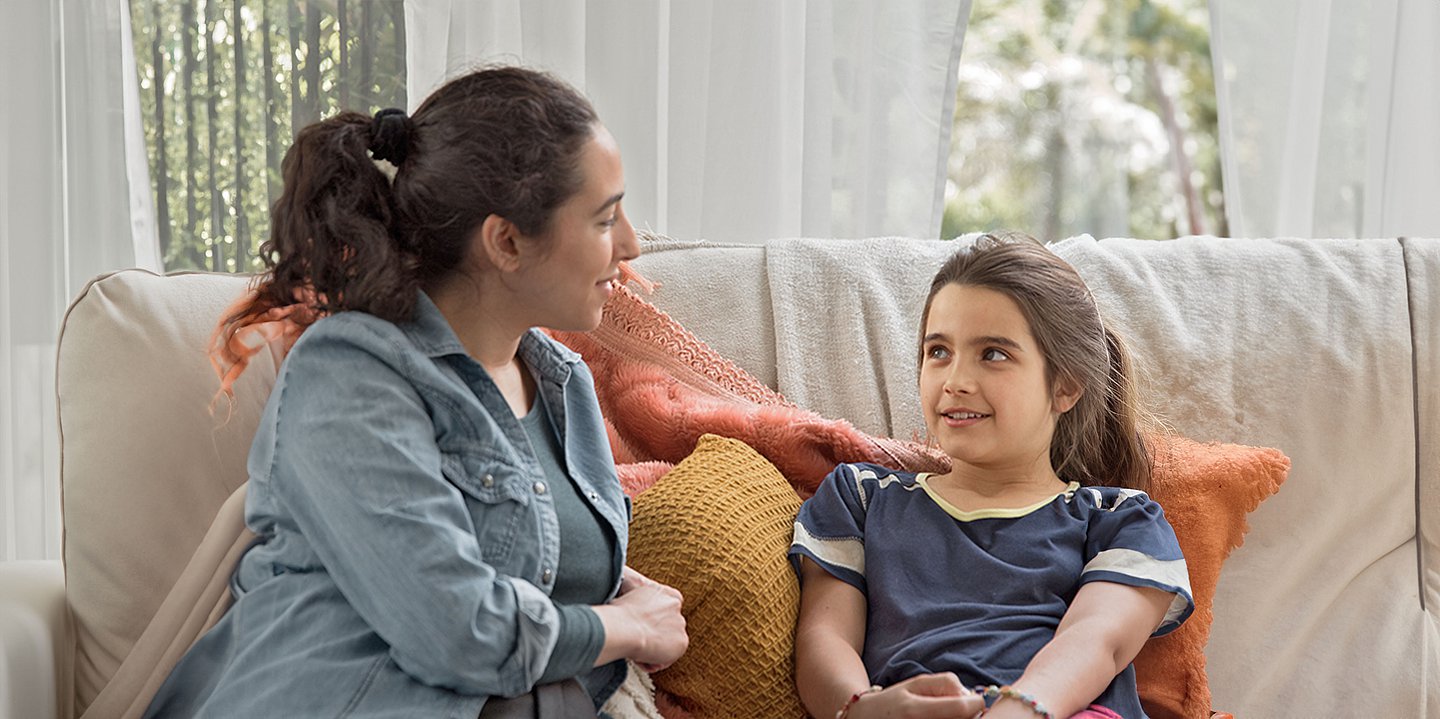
point(432, 334)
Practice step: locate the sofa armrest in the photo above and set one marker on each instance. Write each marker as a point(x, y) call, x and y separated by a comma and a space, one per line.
point(36, 649)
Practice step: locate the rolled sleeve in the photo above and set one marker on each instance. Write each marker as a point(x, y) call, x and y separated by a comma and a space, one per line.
point(581, 638)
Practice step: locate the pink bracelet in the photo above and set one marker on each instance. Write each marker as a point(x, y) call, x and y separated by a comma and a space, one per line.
point(845, 710)
point(1008, 692)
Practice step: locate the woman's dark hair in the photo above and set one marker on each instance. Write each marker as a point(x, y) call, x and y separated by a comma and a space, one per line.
point(500, 140)
point(1098, 441)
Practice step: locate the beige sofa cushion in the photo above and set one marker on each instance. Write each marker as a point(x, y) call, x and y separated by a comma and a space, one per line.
point(144, 464)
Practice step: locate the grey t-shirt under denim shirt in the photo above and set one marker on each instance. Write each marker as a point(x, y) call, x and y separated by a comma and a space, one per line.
point(583, 576)
point(405, 558)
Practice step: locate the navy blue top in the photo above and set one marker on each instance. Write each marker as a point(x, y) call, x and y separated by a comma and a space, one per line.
point(980, 593)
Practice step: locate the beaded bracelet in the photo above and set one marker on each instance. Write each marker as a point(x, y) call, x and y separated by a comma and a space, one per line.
point(845, 710)
point(1009, 692)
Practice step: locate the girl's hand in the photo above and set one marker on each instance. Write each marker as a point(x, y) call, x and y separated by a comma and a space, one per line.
point(928, 696)
point(643, 623)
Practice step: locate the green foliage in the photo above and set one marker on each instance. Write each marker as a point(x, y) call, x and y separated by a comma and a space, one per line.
point(224, 86)
point(1069, 114)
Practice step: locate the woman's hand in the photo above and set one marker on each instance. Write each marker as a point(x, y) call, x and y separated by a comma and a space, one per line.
point(927, 696)
point(643, 623)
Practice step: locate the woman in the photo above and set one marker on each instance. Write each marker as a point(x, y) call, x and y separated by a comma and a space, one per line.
point(440, 525)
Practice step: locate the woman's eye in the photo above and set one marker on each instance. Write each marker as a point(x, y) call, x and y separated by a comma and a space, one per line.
point(994, 355)
point(607, 224)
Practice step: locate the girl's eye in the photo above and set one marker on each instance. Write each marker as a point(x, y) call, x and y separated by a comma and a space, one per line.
point(937, 352)
point(994, 355)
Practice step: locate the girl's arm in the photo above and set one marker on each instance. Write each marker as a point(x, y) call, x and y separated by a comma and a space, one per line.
point(1098, 637)
point(828, 640)
point(828, 668)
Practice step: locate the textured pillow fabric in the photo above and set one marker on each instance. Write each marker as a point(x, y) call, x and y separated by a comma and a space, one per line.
point(716, 527)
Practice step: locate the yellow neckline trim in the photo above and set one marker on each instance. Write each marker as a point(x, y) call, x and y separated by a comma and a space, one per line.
point(996, 513)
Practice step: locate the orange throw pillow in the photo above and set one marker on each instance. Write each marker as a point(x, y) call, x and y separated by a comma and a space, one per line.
point(1206, 491)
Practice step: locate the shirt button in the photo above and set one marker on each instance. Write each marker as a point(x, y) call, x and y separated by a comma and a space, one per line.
point(488, 481)
point(539, 487)
point(546, 576)
point(594, 497)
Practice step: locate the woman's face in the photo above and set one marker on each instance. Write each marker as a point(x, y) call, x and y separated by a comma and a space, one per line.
point(576, 265)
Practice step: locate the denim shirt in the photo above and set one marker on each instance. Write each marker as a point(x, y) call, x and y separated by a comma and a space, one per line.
point(407, 542)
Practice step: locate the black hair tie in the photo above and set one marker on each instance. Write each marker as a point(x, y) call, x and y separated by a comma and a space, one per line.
point(390, 135)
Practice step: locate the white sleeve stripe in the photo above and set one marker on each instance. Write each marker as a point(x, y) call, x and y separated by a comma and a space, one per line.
point(846, 553)
point(860, 476)
point(1179, 607)
point(1123, 494)
point(1162, 572)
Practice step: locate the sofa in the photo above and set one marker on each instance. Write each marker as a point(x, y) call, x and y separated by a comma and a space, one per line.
point(1327, 350)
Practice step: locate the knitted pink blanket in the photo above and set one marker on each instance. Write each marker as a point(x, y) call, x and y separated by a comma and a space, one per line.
point(661, 387)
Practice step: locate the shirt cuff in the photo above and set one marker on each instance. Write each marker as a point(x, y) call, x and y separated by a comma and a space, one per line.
point(580, 638)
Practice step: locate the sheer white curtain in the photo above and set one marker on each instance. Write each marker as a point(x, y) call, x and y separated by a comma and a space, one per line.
point(739, 120)
point(74, 202)
point(1328, 116)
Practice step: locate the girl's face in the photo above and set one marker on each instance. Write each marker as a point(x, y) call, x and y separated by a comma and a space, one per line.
point(982, 383)
point(577, 262)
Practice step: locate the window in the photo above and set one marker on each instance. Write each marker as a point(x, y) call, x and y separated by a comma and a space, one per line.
point(1082, 116)
point(225, 84)
point(1086, 117)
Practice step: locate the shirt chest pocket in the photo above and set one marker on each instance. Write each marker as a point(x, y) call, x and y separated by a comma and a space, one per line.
point(500, 502)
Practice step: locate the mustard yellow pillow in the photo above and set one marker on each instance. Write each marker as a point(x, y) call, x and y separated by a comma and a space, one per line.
point(717, 527)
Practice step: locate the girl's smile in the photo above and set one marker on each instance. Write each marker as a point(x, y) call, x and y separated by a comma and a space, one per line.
point(962, 417)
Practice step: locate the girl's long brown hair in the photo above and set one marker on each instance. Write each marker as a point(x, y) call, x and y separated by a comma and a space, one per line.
point(1098, 441)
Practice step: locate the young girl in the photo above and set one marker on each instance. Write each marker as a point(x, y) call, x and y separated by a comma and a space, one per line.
point(441, 532)
point(1028, 576)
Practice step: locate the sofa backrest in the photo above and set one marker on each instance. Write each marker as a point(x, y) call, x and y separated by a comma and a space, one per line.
point(1328, 350)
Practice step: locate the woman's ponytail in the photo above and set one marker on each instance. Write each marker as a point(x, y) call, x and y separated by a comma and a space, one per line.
point(502, 141)
point(332, 244)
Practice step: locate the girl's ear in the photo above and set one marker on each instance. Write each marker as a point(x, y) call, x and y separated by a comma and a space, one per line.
point(1067, 394)
point(499, 241)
